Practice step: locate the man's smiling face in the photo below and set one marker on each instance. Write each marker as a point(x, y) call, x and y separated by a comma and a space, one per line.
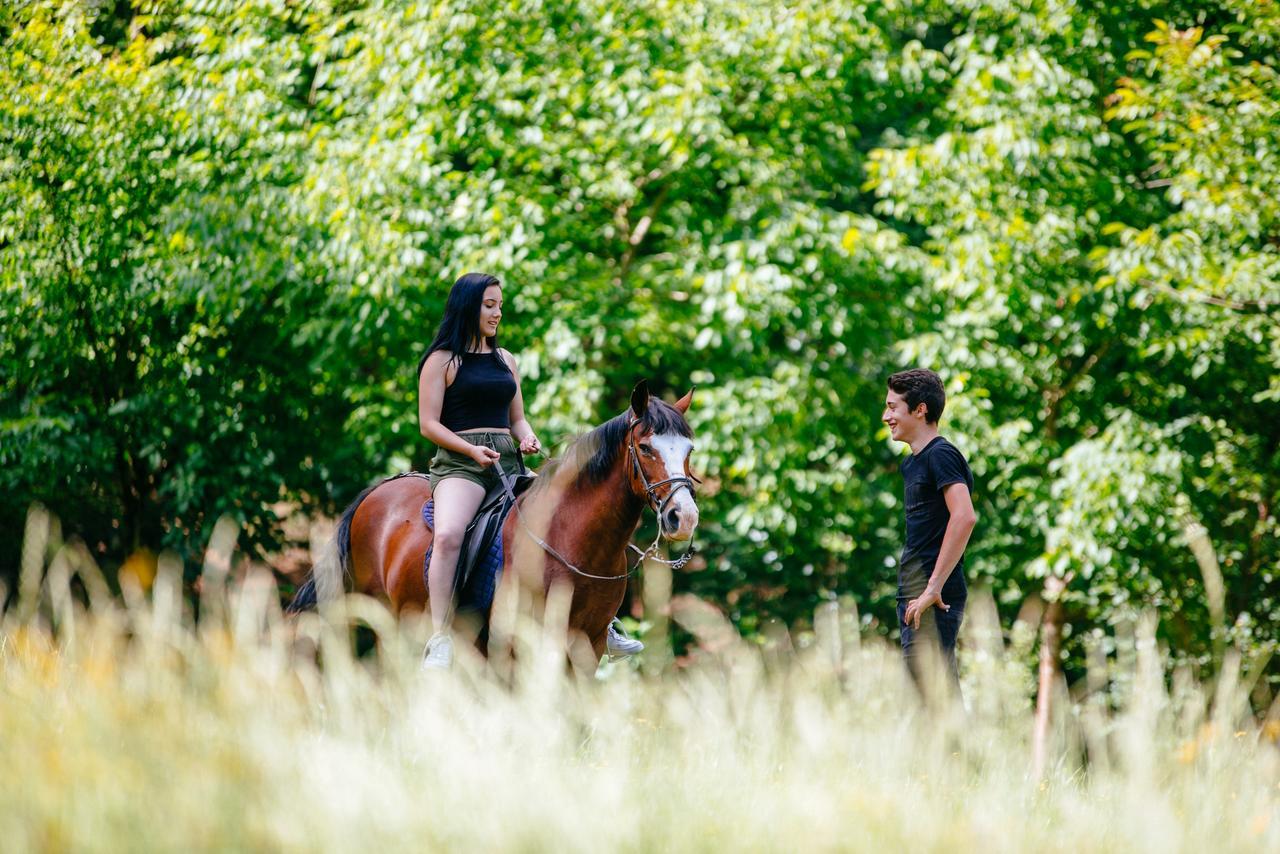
point(903, 423)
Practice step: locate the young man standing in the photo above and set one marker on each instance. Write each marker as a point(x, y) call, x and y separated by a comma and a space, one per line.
point(940, 518)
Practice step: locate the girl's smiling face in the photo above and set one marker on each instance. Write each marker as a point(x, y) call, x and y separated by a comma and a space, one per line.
point(491, 311)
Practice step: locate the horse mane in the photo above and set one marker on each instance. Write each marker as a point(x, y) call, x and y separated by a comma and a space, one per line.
point(593, 454)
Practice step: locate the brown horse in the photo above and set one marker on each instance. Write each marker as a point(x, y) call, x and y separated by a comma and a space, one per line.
point(572, 526)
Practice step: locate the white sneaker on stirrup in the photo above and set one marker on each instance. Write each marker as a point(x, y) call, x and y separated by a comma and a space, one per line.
point(439, 655)
point(618, 642)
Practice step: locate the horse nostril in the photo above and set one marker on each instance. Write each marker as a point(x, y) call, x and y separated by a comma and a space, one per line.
point(673, 518)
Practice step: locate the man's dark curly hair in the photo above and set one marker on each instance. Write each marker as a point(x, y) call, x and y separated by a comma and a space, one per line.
point(921, 385)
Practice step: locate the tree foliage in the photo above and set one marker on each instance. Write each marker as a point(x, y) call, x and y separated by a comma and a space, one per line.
point(229, 228)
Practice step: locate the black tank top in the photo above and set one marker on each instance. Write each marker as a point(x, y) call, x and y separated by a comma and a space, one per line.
point(480, 394)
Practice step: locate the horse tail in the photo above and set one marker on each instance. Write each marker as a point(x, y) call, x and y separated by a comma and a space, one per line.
point(329, 575)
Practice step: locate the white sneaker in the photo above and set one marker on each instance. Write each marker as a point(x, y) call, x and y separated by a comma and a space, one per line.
point(439, 655)
point(618, 642)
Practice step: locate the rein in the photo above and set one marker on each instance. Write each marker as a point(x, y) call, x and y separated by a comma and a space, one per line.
point(650, 491)
point(547, 547)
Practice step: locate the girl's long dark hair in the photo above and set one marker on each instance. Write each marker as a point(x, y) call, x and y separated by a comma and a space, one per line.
point(460, 326)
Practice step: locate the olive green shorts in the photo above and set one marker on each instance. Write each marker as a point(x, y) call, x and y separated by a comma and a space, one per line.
point(446, 464)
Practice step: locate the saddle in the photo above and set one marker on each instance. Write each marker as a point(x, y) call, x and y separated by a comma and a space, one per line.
point(486, 527)
point(480, 558)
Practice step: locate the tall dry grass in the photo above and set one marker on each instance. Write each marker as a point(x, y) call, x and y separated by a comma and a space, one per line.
point(128, 725)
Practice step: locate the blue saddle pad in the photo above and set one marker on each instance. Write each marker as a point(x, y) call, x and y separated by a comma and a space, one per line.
point(475, 591)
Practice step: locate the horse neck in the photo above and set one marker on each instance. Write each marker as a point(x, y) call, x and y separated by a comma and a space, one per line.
point(604, 514)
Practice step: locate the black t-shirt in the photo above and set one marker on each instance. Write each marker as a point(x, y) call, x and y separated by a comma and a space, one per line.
point(925, 474)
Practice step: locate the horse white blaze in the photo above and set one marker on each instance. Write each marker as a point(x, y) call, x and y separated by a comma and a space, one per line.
point(673, 450)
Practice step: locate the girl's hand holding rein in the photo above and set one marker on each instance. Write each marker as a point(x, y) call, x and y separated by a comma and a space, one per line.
point(530, 445)
point(484, 456)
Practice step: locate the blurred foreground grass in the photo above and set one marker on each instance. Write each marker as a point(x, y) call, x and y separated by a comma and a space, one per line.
point(127, 725)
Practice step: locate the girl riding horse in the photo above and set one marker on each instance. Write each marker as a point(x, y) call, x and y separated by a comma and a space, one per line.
point(584, 508)
point(470, 405)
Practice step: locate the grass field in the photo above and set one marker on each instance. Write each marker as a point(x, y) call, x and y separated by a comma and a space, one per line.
point(129, 726)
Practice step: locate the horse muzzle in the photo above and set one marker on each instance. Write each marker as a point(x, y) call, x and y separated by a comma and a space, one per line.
point(679, 519)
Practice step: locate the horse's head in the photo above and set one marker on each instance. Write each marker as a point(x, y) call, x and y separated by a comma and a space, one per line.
point(659, 442)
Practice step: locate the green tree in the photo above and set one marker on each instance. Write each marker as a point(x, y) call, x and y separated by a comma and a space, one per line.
point(230, 228)
point(1099, 388)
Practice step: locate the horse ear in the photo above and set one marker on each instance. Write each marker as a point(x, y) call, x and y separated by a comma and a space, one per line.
point(682, 405)
point(640, 398)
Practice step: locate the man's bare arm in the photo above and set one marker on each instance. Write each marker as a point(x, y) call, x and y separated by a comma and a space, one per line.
point(959, 528)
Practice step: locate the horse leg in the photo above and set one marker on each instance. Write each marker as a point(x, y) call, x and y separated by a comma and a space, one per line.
point(598, 647)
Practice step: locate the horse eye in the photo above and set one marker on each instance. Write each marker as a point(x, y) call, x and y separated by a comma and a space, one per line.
point(647, 449)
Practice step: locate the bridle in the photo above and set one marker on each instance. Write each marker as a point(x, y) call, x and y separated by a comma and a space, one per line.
point(658, 505)
point(651, 489)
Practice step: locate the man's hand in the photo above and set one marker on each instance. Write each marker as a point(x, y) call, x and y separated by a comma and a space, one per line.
point(917, 607)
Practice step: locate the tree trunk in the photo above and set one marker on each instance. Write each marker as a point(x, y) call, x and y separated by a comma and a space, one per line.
point(1050, 670)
